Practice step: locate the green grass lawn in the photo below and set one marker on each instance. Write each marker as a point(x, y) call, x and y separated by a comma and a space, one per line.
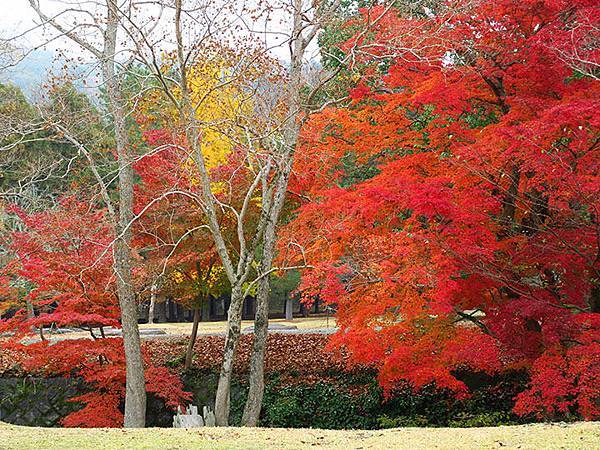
point(538, 436)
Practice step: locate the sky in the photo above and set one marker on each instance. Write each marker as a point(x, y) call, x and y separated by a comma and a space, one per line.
point(17, 19)
point(14, 11)
point(17, 16)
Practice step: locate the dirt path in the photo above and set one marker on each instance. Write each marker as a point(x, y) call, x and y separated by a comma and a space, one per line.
point(321, 325)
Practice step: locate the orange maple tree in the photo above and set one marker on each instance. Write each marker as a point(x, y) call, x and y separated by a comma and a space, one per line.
point(451, 211)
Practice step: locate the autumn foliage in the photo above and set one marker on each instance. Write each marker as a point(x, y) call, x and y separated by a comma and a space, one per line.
point(451, 212)
point(64, 271)
point(448, 208)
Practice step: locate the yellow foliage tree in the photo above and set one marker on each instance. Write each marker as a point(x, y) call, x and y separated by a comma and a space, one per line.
point(221, 105)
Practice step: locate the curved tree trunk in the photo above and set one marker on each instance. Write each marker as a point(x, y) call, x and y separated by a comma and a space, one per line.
point(189, 353)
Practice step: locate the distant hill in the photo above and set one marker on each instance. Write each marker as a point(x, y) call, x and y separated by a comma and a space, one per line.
point(30, 73)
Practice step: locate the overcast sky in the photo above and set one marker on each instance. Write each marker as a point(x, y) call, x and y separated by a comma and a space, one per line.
point(15, 11)
point(17, 17)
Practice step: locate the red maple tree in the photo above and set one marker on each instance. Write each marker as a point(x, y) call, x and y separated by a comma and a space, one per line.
point(451, 212)
point(64, 266)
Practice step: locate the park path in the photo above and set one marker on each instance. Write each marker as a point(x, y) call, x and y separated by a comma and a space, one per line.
point(311, 325)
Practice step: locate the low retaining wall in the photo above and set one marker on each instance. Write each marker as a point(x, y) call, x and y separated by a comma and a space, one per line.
point(40, 402)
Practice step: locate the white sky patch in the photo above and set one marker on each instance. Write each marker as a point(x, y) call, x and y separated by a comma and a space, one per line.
point(20, 20)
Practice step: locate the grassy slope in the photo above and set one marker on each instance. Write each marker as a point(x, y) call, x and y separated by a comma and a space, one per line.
point(575, 436)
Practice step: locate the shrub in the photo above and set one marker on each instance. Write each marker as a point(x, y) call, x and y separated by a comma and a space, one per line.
point(322, 405)
point(487, 419)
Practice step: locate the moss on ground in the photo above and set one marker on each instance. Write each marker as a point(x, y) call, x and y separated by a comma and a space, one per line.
point(535, 436)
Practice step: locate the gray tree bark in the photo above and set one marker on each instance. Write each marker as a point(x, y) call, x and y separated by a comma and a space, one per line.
point(256, 379)
point(236, 273)
point(135, 397)
point(135, 391)
point(222, 398)
point(256, 382)
point(152, 306)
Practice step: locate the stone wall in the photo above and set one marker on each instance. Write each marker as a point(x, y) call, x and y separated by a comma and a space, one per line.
point(40, 402)
point(43, 402)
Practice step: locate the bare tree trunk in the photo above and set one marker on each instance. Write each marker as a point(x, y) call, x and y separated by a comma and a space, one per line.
point(224, 386)
point(189, 353)
point(153, 290)
point(291, 132)
point(237, 275)
point(261, 322)
point(289, 312)
point(135, 391)
point(256, 380)
point(274, 194)
point(135, 397)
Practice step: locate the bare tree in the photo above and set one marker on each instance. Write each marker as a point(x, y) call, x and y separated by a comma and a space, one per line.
point(269, 136)
point(197, 28)
point(302, 33)
point(308, 18)
point(96, 31)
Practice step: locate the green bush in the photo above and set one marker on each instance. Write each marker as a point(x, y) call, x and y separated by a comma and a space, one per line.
point(487, 419)
point(345, 400)
point(341, 400)
point(322, 405)
point(402, 421)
